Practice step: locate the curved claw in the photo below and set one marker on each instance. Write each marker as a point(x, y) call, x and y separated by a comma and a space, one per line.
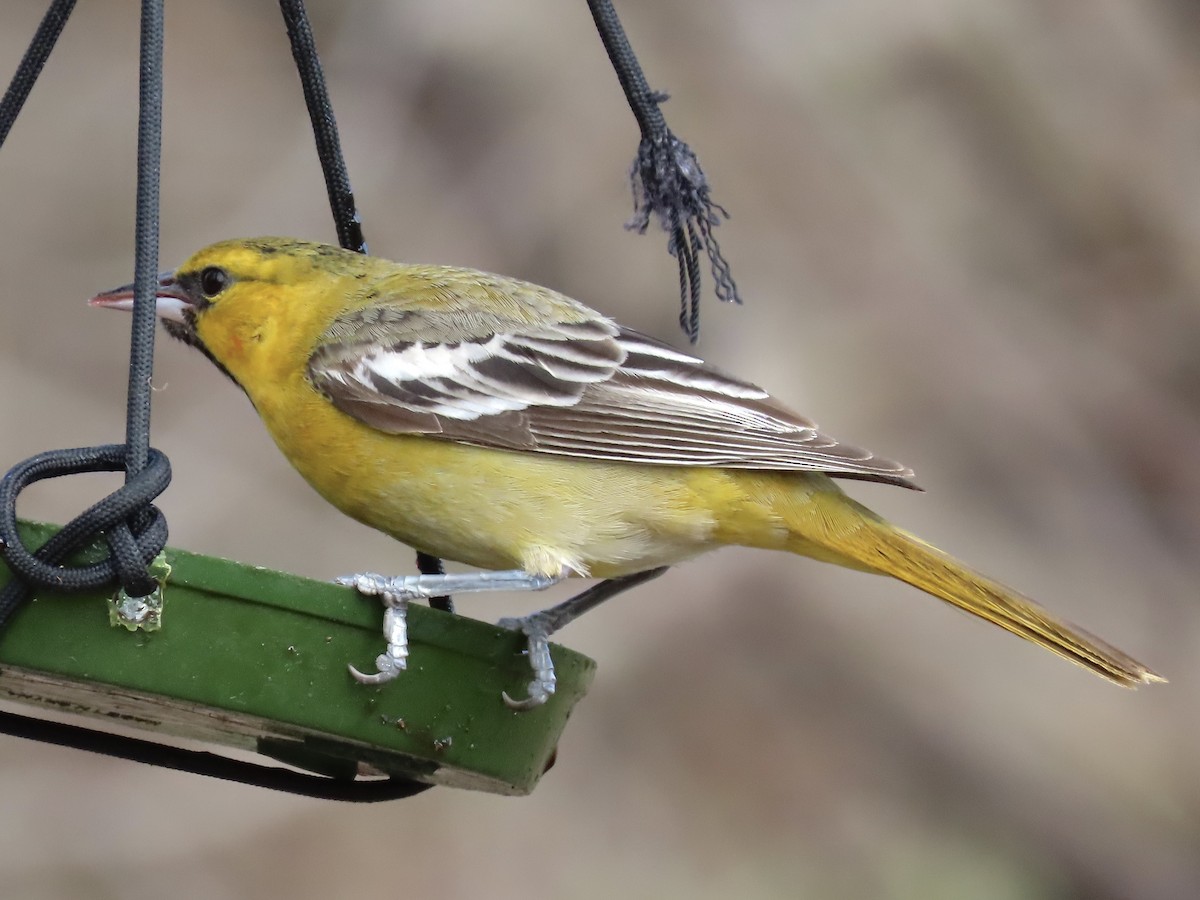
point(537, 697)
point(387, 671)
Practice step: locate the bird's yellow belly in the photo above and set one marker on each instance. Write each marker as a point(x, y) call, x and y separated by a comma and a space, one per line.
point(499, 509)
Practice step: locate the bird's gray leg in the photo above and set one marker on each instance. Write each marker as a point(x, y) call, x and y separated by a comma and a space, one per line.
point(395, 593)
point(538, 627)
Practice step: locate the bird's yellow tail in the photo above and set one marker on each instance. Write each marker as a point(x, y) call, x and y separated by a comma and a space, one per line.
point(854, 536)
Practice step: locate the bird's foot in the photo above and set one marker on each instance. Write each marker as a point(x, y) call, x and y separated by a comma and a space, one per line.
point(394, 660)
point(395, 593)
point(537, 629)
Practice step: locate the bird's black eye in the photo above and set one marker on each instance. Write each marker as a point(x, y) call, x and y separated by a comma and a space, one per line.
point(213, 280)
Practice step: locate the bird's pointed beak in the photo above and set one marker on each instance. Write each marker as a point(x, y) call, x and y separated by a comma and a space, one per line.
point(170, 298)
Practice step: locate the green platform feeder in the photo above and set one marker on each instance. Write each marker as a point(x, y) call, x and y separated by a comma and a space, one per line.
point(255, 659)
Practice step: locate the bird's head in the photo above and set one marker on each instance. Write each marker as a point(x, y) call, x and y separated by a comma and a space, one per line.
point(245, 303)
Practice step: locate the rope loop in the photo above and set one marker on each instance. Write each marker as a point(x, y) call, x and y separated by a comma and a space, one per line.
point(135, 530)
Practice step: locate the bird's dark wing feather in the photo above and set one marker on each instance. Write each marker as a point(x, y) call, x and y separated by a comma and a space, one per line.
point(585, 389)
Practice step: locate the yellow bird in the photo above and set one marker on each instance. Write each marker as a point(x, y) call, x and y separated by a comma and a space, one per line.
point(494, 422)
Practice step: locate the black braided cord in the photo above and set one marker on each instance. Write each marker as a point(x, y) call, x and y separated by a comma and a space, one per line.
point(325, 131)
point(668, 183)
point(214, 765)
point(133, 528)
point(31, 64)
point(337, 181)
point(44, 566)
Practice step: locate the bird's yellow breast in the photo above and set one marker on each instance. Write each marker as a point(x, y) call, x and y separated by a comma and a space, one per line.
point(500, 509)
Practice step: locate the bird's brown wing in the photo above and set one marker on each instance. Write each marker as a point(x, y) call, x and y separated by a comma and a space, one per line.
point(587, 389)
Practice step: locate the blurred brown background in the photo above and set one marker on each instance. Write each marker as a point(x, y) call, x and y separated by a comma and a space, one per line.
point(967, 234)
